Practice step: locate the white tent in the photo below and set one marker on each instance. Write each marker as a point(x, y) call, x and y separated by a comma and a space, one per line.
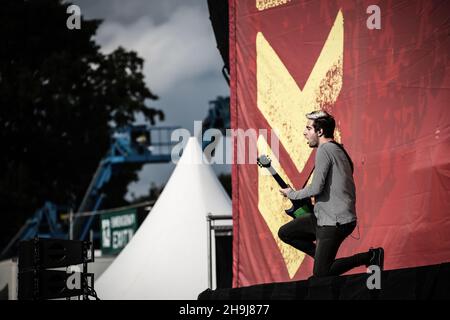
point(167, 258)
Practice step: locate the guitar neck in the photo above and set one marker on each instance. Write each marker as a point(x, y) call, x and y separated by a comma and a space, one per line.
point(277, 177)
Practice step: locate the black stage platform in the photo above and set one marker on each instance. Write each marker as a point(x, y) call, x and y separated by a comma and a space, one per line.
point(429, 282)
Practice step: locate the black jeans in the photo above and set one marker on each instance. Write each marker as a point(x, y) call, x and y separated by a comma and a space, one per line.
point(303, 231)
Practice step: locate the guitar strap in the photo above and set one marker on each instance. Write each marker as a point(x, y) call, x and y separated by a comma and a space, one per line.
point(346, 154)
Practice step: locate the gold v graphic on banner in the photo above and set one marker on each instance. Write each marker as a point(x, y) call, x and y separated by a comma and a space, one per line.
point(284, 106)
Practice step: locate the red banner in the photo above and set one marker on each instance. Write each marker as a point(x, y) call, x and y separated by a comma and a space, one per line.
point(382, 70)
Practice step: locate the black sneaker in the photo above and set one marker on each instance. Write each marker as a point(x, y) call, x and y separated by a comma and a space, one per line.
point(376, 257)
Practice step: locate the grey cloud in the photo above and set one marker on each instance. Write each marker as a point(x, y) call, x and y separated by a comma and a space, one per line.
point(127, 12)
point(181, 49)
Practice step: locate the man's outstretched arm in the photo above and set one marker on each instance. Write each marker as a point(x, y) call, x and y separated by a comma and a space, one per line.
point(322, 166)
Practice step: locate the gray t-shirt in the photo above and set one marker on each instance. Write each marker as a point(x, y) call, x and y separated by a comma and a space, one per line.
point(332, 186)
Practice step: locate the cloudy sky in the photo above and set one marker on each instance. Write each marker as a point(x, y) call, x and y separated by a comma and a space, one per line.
point(182, 64)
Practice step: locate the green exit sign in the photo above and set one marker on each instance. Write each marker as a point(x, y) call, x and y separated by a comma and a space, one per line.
point(117, 230)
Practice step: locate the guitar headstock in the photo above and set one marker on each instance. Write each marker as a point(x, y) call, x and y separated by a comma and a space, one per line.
point(263, 161)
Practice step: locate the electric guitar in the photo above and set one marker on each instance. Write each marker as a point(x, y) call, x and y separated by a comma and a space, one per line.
point(299, 207)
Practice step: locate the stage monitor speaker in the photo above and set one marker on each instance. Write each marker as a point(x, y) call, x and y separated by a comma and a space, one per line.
point(48, 284)
point(53, 253)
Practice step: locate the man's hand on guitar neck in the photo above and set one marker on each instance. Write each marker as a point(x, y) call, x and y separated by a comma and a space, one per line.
point(285, 191)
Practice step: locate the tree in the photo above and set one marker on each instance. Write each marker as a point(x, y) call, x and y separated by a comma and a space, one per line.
point(59, 99)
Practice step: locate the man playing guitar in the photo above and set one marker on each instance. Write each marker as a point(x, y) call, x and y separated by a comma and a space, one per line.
point(320, 233)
